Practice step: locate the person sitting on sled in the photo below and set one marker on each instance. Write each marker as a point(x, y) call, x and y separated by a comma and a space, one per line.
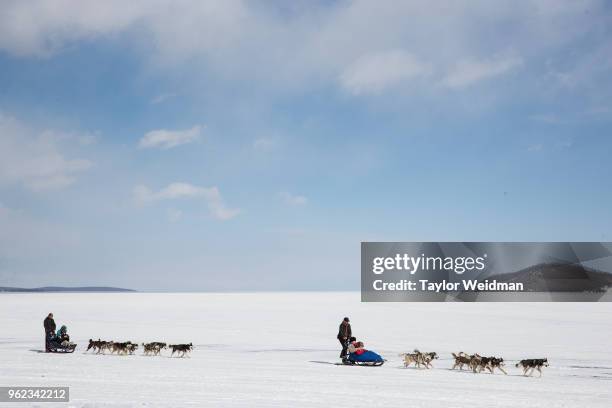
point(352, 345)
point(358, 354)
point(359, 348)
point(62, 336)
point(355, 347)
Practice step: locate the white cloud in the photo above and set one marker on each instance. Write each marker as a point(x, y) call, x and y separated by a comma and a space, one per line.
point(376, 72)
point(167, 139)
point(292, 199)
point(171, 192)
point(179, 190)
point(43, 27)
point(340, 43)
point(34, 158)
point(468, 72)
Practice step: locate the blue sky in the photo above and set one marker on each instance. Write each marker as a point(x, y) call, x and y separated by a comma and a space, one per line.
point(253, 145)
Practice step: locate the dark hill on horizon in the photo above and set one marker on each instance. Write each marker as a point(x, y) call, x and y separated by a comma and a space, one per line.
point(52, 289)
point(558, 277)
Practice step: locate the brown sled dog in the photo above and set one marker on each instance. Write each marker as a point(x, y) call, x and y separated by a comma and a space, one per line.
point(464, 359)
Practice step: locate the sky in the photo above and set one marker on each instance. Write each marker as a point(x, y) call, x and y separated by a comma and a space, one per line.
point(252, 145)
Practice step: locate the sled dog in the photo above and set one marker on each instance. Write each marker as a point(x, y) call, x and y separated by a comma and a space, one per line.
point(159, 346)
point(532, 364)
point(98, 346)
point(419, 358)
point(490, 364)
point(104, 345)
point(148, 348)
point(497, 363)
point(427, 358)
point(120, 347)
point(410, 358)
point(464, 359)
point(153, 348)
point(94, 345)
point(181, 349)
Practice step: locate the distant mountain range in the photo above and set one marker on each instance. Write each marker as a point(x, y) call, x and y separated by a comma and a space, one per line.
point(46, 289)
point(558, 277)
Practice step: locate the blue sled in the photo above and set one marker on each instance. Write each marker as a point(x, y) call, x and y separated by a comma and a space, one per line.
point(369, 358)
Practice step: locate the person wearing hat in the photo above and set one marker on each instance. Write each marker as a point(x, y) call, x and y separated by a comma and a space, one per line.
point(49, 324)
point(62, 335)
point(344, 334)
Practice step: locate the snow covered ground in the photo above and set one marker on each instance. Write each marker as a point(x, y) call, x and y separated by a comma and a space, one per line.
point(277, 349)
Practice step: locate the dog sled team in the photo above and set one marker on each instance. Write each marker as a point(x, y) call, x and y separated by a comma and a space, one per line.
point(59, 342)
point(149, 349)
point(354, 353)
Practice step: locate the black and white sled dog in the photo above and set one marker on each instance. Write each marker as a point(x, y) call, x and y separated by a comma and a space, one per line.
point(419, 359)
point(94, 345)
point(181, 349)
point(99, 346)
point(532, 364)
point(153, 348)
point(489, 363)
point(131, 347)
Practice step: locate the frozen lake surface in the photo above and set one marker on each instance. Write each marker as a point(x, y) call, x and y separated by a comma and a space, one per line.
point(278, 349)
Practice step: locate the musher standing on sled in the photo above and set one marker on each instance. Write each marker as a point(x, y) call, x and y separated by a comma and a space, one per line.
point(49, 331)
point(344, 333)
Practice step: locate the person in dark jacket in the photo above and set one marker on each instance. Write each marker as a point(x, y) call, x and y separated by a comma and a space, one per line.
point(49, 324)
point(344, 334)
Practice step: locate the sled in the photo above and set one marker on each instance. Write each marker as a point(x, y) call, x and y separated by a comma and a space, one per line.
point(377, 363)
point(62, 349)
point(368, 359)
